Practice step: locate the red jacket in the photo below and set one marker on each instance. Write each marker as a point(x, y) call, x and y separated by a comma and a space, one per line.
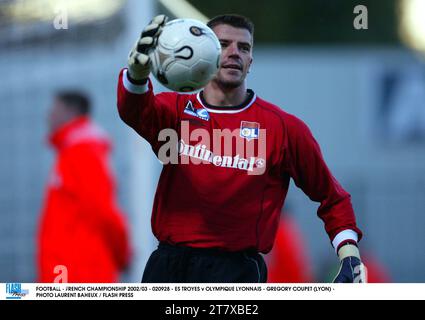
point(82, 227)
point(209, 199)
point(288, 261)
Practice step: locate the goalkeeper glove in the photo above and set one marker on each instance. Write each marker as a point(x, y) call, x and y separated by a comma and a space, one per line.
point(351, 270)
point(139, 64)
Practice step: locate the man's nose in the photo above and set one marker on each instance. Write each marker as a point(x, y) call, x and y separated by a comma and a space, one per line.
point(233, 50)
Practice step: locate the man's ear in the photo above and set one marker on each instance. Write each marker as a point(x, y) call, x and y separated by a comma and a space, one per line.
point(250, 64)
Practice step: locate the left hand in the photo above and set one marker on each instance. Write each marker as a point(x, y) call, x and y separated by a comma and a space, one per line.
point(352, 270)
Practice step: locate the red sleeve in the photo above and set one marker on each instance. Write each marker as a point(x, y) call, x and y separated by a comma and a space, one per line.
point(305, 163)
point(96, 195)
point(144, 111)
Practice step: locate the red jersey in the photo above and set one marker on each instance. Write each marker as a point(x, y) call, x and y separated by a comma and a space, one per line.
point(222, 197)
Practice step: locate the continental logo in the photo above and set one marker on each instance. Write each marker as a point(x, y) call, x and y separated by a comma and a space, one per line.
point(201, 152)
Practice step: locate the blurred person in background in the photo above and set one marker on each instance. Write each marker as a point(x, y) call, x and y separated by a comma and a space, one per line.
point(288, 261)
point(82, 227)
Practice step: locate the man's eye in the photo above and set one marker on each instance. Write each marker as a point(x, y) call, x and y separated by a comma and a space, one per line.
point(223, 44)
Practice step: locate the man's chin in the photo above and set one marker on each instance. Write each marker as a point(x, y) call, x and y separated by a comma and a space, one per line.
point(227, 82)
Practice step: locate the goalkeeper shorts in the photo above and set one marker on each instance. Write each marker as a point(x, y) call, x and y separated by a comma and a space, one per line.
point(180, 264)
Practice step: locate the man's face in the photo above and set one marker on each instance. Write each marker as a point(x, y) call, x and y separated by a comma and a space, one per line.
point(236, 55)
point(59, 115)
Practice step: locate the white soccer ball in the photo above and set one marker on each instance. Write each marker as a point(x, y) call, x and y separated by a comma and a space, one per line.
point(187, 55)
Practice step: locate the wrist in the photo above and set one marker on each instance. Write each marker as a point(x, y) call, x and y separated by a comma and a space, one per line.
point(138, 82)
point(132, 87)
point(348, 250)
point(346, 241)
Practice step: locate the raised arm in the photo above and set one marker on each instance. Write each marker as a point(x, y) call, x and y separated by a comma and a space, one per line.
point(144, 111)
point(138, 106)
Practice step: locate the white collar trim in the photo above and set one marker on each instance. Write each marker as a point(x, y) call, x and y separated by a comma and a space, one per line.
point(254, 97)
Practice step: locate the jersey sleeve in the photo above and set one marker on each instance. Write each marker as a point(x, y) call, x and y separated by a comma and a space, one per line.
point(144, 111)
point(304, 162)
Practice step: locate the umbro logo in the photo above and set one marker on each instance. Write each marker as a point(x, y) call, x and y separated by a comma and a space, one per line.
point(200, 113)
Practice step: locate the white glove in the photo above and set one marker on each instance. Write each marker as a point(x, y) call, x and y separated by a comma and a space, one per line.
point(139, 64)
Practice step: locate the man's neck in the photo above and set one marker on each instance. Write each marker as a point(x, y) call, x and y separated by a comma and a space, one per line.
point(216, 95)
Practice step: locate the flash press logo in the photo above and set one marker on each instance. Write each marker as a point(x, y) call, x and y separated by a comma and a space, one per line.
point(15, 291)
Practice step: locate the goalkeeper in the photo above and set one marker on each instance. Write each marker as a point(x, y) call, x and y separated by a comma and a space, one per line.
point(214, 217)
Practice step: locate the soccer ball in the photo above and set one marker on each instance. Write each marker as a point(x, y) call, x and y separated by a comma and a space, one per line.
point(187, 55)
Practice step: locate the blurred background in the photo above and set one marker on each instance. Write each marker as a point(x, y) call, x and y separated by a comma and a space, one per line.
point(361, 91)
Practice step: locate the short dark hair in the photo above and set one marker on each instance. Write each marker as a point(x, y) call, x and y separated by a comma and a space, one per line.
point(234, 20)
point(75, 100)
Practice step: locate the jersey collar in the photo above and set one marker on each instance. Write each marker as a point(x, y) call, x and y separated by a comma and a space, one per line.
point(227, 109)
